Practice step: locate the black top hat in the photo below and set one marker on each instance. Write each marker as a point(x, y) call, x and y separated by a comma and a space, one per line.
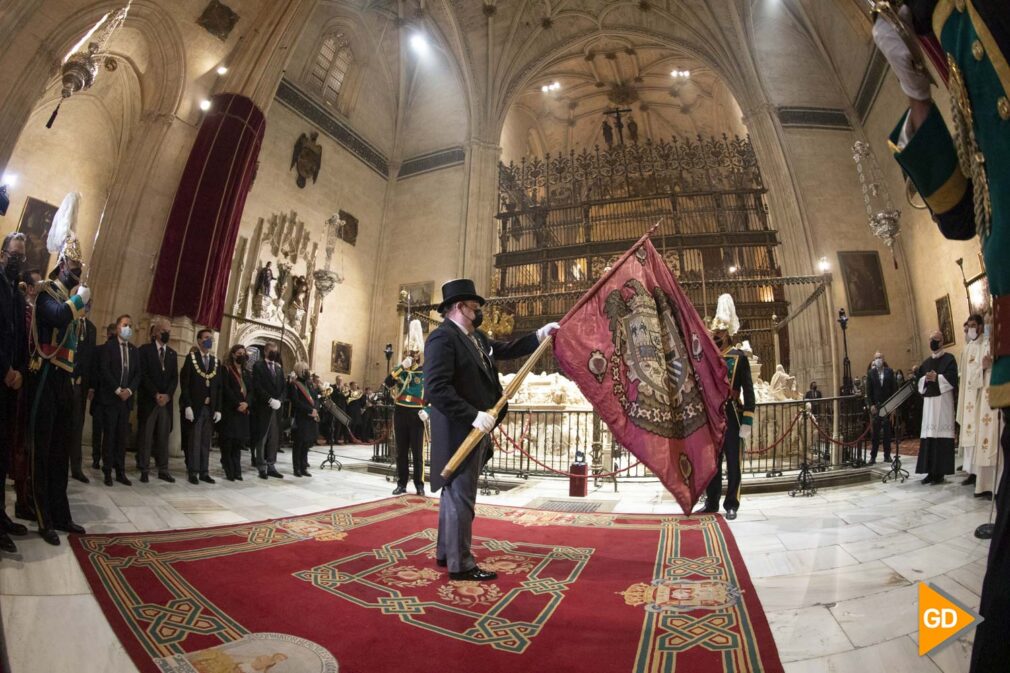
point(461, 289)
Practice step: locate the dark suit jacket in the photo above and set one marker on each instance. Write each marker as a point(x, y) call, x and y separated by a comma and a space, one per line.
point(266, 387)
point(306, 428)
point(193, 388)
point(111, 368)
point(457, 385)
point(154, 380)
point(13, 330)
point(877, 393)
point(234, 423)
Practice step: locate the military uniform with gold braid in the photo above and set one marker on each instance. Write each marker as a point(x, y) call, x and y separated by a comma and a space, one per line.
point(55, 330)
point(965, 181)
point(408, 378)
point(739, 417)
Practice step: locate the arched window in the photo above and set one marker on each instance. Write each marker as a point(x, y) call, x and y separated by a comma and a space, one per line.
point(330, 68)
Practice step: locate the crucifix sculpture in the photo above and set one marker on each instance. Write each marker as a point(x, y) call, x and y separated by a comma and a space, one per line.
point(616, 113)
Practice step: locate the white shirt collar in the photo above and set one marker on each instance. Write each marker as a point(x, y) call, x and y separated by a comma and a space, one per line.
point(460, 325)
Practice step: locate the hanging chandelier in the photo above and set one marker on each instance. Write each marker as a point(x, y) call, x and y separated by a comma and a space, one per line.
point(80, 66)
point(882, 217)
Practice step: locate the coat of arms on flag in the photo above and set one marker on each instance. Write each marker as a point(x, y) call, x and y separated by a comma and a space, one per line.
point(641, 354)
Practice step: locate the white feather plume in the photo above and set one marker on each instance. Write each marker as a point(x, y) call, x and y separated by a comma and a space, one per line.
point(415, 337)
point(725, 315)
point(64, 222)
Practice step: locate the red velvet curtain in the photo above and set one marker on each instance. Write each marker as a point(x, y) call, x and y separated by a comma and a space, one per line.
point(196, 252)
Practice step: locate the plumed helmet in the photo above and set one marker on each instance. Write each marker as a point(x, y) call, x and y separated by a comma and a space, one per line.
point(725, 316)
point(415, 337)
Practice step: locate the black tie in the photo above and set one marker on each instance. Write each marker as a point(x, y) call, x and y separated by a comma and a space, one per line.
point(126, 365)
point(161, 356)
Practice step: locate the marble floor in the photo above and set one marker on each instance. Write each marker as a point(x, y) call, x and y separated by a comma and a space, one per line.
point(836, 572)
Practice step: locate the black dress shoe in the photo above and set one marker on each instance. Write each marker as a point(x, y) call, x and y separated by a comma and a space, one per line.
point(144, 478)
point(927, 480)
point(305, 473)
point(969, 480)
point(419, 488)
point(108, 480)
point(96, 465)
point(207, 479)
point(165, 476)
point(8, 526)
point(238, 477)
point(7, 544)
point(730, 514)
point(984, 494)
point(274, 473)
point(71, 527)
point(193, 479)
point(399, 490)
point(81, 477)
point(263, 475)
point(50, 536)
point(441, 562)
point(298, 473)
point(937, 482)
point(887, 459)
point(474, 574)
point(124, 480)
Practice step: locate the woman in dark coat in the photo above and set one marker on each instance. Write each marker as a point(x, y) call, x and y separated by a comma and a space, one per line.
point(236, 400)
point(305, 415)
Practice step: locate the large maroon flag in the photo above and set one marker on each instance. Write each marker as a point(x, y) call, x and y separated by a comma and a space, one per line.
point(636, 347)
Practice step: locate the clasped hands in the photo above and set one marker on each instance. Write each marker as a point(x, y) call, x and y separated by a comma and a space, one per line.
point(13, 379)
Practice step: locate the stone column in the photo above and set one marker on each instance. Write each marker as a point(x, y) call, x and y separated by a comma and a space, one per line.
point(478, 231)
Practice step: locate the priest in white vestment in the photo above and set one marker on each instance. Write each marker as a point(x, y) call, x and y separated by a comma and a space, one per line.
point(980, 424)
point(937, 383)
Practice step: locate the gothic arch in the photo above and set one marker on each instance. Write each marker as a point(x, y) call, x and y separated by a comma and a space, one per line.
point(251, 334)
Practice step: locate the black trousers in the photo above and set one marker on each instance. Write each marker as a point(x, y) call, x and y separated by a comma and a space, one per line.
point(51, 395)
point(154, 432)
point(731, 453)
point(409, 430)
point(76, 448)
point(992, 647)
point(300, 459)
point(8, 417)
point(116, 426)
point(881, 426)
point(97, 433)
point(231, 456)
point(200, 435)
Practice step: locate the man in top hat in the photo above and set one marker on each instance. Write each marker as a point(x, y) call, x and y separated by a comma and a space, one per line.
point(409, 413)
point(739, 417)
point(461, 384)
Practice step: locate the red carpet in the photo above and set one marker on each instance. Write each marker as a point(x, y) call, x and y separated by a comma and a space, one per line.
point(357, 590)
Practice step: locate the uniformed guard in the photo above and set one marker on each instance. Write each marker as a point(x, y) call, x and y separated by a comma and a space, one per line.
point(409, 414)
point(965, 180)
point(54, 335)
point(739, 416)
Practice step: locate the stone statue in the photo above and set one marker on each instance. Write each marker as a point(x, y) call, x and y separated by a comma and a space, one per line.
point(632, 131)
point(265, 283)
point(608, 134)
point(284, 270)
point(307, 157)
point(783, 385)
point(299, 295)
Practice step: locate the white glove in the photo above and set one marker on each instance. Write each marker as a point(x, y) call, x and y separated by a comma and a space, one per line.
point(484, 422)
point(745, 431)
point(914, 83)
point(189, 414)
point(547, 330)
point(84, 292)
point(407, 363)
point(217, 416)
point(423, 415)
point(275, 404)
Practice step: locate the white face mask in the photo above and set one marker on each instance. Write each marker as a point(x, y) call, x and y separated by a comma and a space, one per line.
point(126, 332)
point(878, 363)
point(972, 334)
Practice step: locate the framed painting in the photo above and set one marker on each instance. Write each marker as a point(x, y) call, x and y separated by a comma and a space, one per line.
point(863, 279)
point(36, 219)
point(340, 361)
point(945, 319)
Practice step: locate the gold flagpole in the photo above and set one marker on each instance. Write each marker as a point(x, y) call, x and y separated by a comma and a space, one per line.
point(476, 435)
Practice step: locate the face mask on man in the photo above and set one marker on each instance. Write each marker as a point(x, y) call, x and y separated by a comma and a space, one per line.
point(69, 278)
point(274, 356)
point(934, 345)
point(878, 363)
point(126, 332)
point(972, 334)
point(242, 359)
point(207, 343)
point(164, 337)
point(13, 267)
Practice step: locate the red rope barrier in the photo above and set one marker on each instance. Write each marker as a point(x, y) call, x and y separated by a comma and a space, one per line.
point(526, 453)
point(827, 437)
point(780, 439)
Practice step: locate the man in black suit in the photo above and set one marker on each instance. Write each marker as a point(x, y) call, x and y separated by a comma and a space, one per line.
point(13, 368)
point(880, 385)
point(159, 377)
point(95, 383)
point(120, 369)
point(84, 365)
point(461, 384)
point(270, 390)
point(200, 399)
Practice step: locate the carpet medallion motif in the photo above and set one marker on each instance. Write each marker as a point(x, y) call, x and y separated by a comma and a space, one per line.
point(357, 589)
